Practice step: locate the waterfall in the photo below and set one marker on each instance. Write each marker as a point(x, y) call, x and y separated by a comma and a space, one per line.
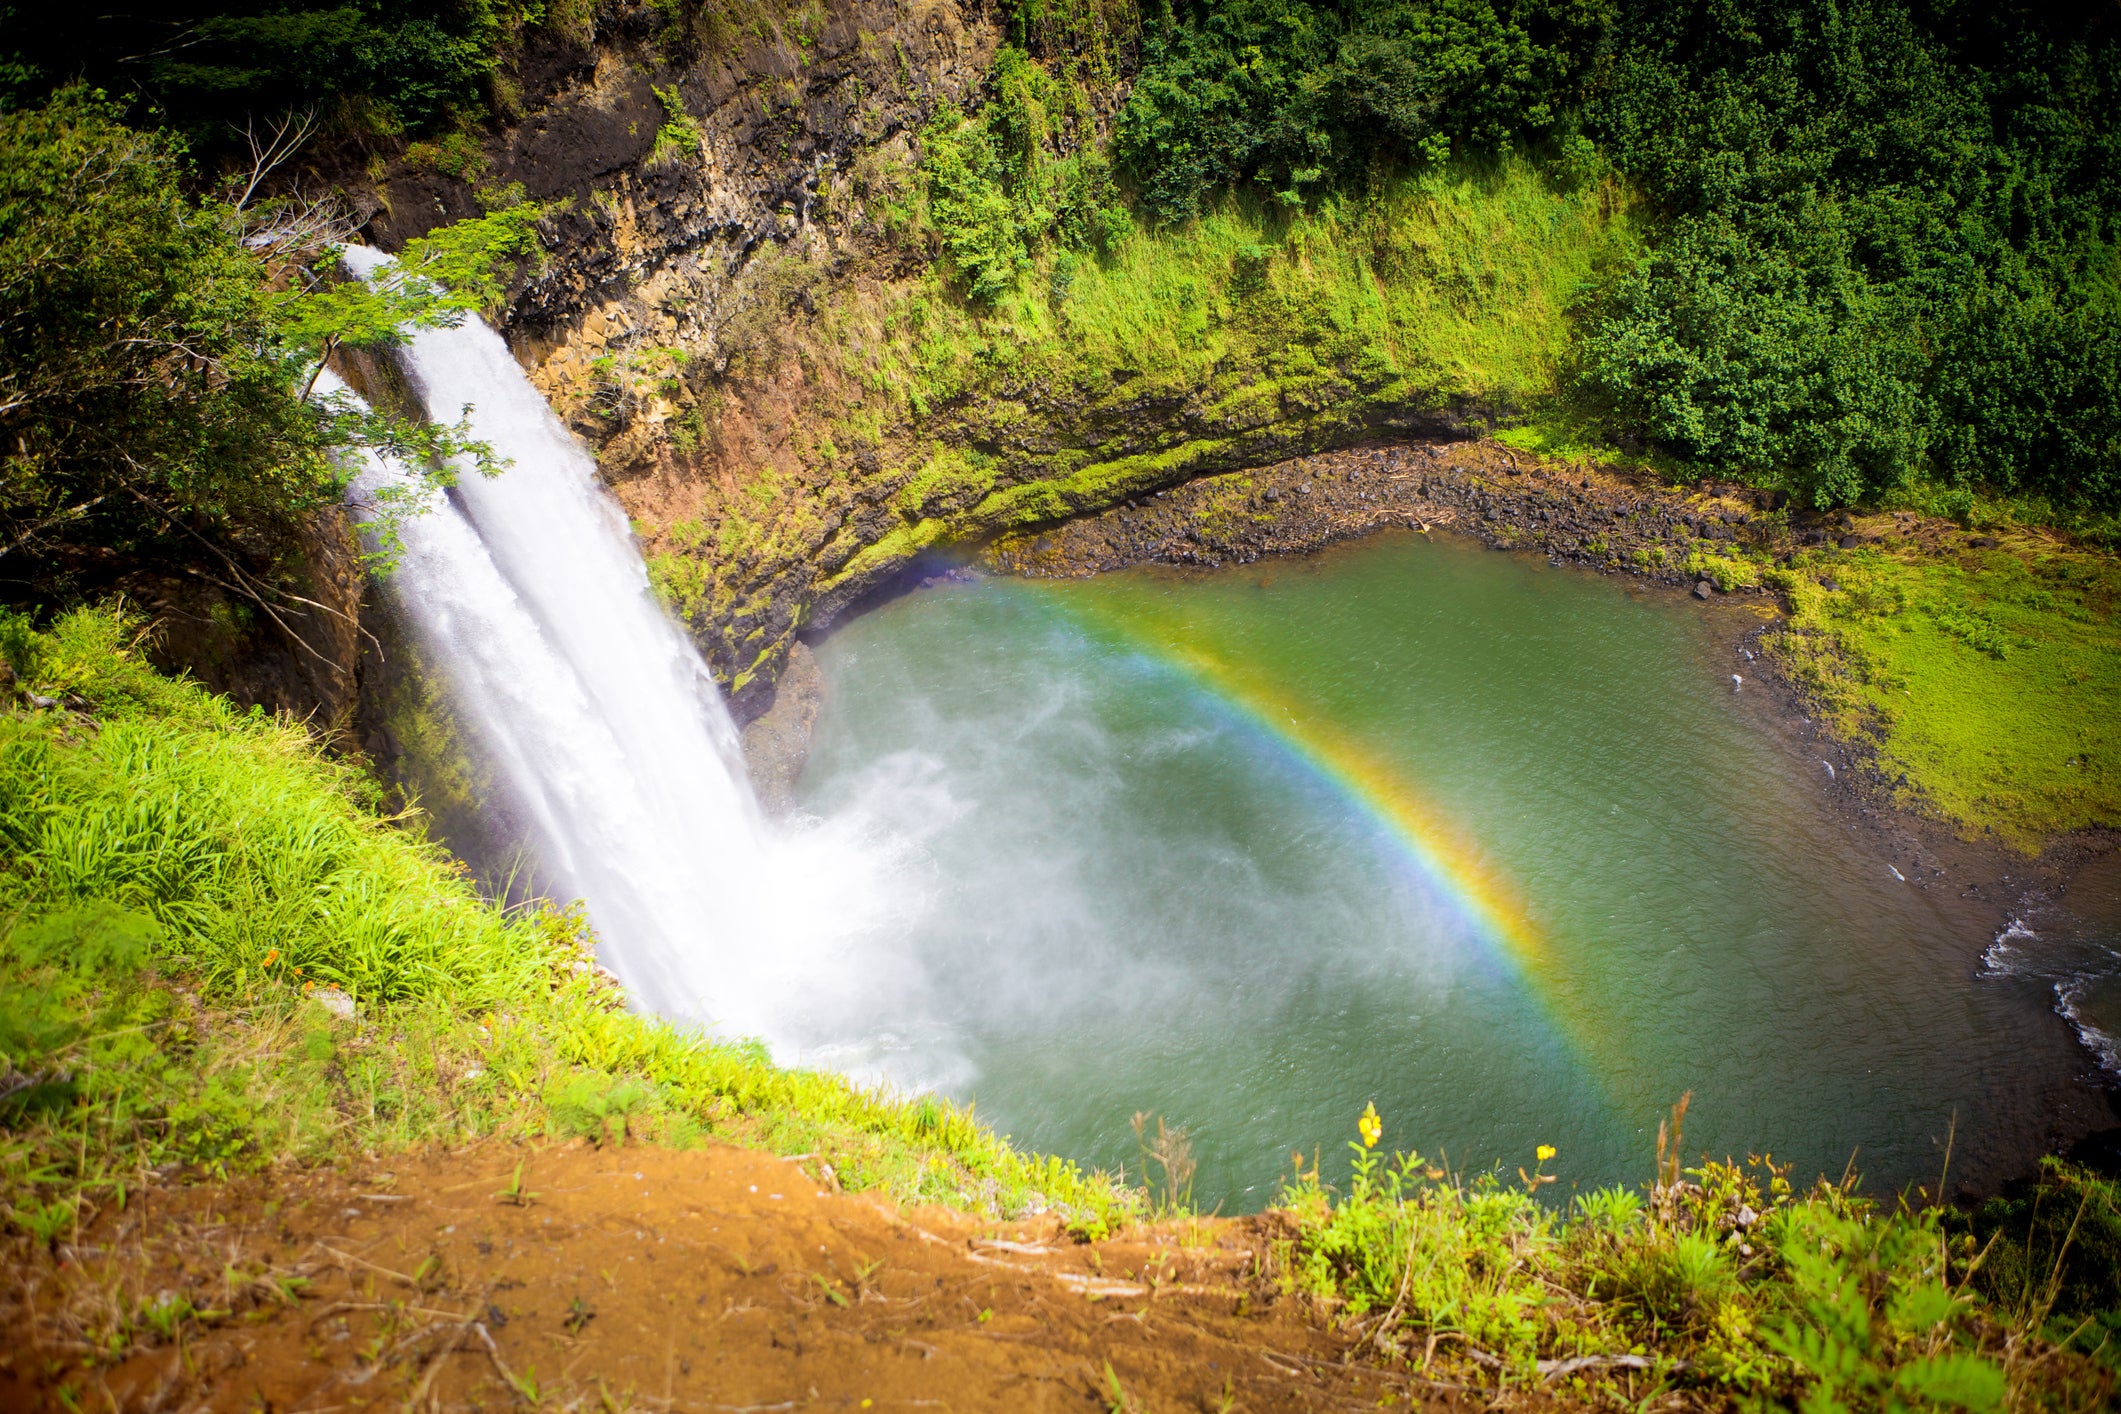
point(598, 718)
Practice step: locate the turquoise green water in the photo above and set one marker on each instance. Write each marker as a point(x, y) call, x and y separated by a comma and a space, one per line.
point(1139, 884)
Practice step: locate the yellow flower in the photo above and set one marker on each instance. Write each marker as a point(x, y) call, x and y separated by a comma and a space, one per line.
point(1545, 1152)
point(1371, 1126)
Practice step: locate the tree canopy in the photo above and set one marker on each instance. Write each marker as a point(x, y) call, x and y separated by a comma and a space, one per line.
point(1883, 232)
point(202, 65)
point(158, 354)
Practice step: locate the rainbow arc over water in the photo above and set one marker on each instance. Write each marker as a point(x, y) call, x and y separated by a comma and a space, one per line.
point(1451, 863)
point(1379, 789)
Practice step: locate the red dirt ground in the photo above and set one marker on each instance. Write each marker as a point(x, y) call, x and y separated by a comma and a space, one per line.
point(636, 1278)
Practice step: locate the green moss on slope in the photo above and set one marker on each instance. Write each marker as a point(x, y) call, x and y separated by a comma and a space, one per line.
point(1249, 334)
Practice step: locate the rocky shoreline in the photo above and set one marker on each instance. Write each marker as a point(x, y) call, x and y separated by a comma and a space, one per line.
point(1594, 516)
point(1598, 518)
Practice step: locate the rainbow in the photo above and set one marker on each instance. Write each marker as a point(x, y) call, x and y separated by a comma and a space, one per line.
point(1451, 863)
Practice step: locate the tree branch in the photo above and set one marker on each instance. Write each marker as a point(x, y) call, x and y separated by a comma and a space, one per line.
point(69, 514)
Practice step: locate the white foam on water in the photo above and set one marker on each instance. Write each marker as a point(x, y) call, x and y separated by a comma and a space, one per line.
point(2074, 969)
point(2070, 999)
point(2005, 955)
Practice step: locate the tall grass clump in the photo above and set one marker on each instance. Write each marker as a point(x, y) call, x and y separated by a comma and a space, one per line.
point(253, 855)
point(216, 950)
point(2053, 1258)
point(1724, 1283)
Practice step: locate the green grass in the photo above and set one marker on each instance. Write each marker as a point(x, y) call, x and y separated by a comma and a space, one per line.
point(182, 882)
point(1457, 283)
point(1990, 679)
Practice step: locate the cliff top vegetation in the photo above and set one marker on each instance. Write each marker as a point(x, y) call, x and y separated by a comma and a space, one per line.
point(1881, 237)
point(159, 350)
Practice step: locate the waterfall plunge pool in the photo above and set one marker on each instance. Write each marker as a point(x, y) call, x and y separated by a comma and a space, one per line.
point(1501, 848)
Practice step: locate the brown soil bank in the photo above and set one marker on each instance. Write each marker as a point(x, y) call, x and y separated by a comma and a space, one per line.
point(640, 1278)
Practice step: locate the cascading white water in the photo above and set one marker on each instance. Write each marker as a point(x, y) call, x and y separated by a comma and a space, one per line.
point(526, 591)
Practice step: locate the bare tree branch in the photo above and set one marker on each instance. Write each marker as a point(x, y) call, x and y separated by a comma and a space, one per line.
point(269, 151)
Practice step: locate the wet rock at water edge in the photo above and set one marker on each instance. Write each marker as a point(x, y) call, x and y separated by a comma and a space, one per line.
point(778, 742)
point(1703, 589)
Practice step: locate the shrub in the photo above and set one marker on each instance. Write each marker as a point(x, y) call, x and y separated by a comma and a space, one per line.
point(1022, 174)
point(1723, 1278)
point(158, 356)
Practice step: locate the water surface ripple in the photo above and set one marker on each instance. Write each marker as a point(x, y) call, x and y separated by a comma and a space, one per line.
point(1248, 850)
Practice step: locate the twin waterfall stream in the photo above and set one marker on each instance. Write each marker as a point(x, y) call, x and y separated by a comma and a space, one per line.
point(601, 724)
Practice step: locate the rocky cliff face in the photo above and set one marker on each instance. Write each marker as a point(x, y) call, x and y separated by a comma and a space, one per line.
point(701, 183)
point(734, 246)
point(301, 656)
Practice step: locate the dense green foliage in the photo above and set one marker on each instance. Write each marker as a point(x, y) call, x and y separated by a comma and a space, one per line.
point(1890, 242)
point(1885, 237)
point(181, 877)
point(1024, 173)
point(207, 64)
point(1300, 96)
point(143, 388)
point(157, 353)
